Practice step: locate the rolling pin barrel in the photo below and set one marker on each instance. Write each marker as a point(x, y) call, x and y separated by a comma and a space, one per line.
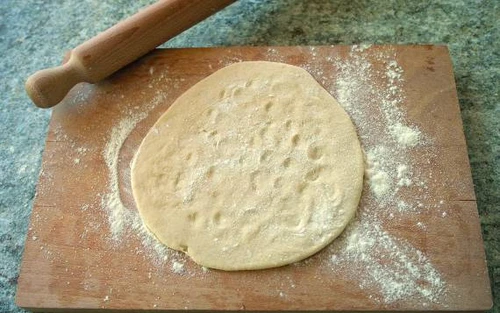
point(118, 46)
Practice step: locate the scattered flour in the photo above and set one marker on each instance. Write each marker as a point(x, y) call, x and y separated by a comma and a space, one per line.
point(404, 135)
point(148, 239)
point(387, 264)
point(375, 110)
point(403, 175)
point(125, 222)
point(379, 179)
point(402, 206)
point(119, 215)
point(366, 252)
point(177, 267)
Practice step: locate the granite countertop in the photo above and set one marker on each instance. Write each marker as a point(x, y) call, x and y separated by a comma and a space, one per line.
point(35, 35)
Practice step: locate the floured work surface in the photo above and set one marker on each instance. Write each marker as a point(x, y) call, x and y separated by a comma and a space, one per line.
point(415, 243)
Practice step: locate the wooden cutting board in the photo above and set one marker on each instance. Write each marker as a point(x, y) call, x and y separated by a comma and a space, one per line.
point(72, 262)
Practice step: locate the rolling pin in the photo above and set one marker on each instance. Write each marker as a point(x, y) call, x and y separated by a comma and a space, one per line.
point(118, 46)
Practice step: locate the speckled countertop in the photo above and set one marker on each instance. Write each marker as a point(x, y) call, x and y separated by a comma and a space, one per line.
point(35, 34)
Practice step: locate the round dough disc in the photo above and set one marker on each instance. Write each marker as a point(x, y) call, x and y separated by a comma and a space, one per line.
point(255, 166)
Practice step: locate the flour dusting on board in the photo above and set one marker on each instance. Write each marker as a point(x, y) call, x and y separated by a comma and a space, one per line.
point(119, 216)
point(124, 222)
point(366, 253)
point(405, 271)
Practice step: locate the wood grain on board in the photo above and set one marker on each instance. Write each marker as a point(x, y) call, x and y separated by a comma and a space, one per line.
point(71, 262)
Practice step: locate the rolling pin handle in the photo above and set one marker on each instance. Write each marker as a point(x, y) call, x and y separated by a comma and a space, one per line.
point(48, 87)
point(118, 46)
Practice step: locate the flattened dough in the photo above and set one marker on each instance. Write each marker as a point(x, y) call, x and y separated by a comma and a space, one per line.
point(255, 166)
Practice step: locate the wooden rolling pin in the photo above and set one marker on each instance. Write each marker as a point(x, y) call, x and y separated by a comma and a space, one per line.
point(118, 46)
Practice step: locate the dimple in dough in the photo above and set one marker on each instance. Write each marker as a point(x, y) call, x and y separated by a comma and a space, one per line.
point(255, 166)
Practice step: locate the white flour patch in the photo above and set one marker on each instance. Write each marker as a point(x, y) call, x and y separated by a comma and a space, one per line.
point(405, 136)
point(177, 267)
point(124, 222)
point(366, 252)
point(404, 175)
point(378, 177)
point(119, 216)
point(385, 263)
